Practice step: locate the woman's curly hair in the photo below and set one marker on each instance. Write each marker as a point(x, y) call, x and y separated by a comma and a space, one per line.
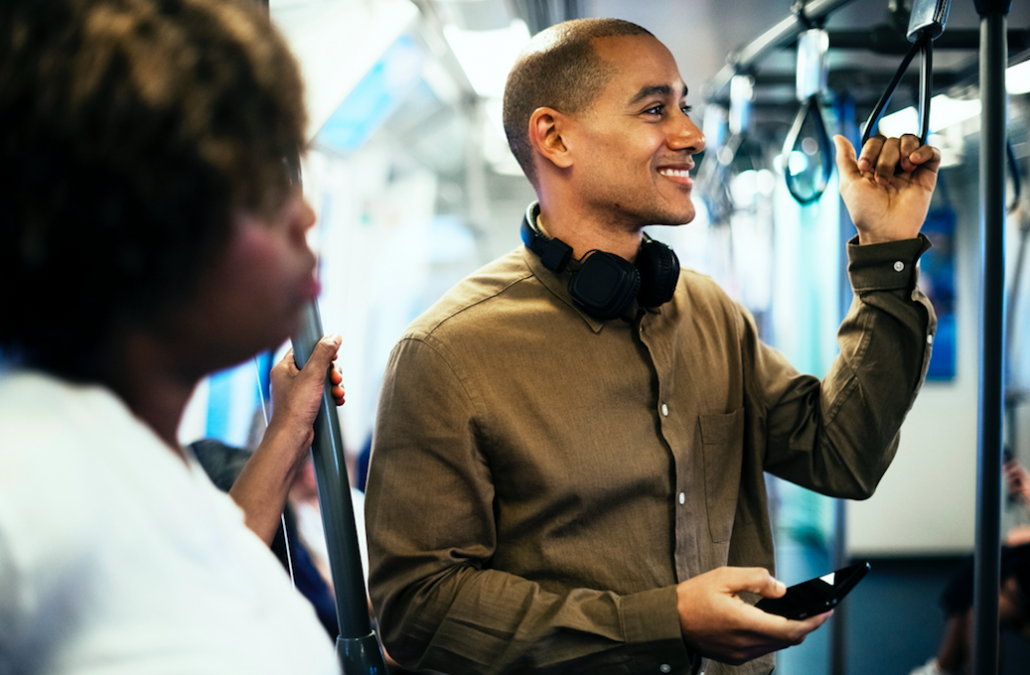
point(129, 132)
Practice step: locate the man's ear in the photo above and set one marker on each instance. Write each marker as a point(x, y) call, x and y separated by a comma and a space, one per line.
point(546, 129)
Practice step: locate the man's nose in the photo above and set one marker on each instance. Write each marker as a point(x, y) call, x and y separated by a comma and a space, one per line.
point(686, 136)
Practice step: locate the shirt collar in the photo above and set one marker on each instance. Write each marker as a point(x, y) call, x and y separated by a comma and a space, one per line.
point(558, 284)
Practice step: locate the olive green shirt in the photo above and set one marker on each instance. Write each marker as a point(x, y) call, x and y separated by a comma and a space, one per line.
point(541, 481)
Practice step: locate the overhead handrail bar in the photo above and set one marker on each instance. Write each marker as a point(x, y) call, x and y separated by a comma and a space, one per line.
point(786, 31)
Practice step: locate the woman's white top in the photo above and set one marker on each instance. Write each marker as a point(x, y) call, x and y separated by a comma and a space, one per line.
point(116, 557)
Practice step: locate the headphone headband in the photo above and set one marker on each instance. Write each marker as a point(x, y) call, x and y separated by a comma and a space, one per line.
point(555, 254)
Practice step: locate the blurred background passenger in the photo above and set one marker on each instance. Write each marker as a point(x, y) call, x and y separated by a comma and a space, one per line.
point(146, 195)
point(1013, 596)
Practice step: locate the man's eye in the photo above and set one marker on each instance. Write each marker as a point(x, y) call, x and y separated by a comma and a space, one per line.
point(655, 110)
point(686, 109)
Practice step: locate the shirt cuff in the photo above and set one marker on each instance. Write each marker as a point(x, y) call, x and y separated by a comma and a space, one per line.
point(886, 266)
point(651, 617)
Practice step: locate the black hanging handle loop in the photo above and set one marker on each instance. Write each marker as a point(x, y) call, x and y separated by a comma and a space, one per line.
point(809, 107)
point(923, 45)
point(812, 72)
point(926, 24)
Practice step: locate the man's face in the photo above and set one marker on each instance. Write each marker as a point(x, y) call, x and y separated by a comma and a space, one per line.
point(632, 148)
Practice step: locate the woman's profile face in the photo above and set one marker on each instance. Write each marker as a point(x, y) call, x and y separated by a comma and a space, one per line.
point(251, 297)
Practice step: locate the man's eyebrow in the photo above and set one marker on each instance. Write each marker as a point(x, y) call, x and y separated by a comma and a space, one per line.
point(655, 90)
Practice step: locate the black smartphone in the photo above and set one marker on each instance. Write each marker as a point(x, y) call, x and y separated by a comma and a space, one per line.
point(815, 596)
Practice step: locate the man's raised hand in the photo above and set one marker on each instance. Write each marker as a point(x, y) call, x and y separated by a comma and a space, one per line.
point(887, 189)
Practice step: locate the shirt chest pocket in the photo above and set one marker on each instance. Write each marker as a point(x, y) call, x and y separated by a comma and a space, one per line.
point(722, 438)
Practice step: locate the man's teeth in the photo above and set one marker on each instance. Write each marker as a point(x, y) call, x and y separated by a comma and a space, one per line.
point(678, 173)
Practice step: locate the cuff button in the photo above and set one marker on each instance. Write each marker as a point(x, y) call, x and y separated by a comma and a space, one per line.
point(899, 266)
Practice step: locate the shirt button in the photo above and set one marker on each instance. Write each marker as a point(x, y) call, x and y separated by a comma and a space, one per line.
point(899, 266)
point(929, 339)
point(665, 668)
point(683, 498)
point(665, 410)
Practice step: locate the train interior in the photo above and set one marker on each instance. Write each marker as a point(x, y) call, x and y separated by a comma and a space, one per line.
point(414, 187)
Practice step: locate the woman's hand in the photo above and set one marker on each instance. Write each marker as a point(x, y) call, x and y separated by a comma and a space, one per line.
point(297, 393)
point(265, 481)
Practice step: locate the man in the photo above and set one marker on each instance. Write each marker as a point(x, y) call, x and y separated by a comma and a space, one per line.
point(563, 482)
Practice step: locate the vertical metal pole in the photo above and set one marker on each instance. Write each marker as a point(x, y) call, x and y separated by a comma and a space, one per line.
point(839, 624)
point(845, 107)
point(357, 646)
point(993, 61)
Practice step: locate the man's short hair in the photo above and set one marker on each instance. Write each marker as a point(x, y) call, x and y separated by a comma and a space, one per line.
point(559, 69)
point(130, 130)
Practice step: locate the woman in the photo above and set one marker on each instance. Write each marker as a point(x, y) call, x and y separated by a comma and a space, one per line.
point(150, 235)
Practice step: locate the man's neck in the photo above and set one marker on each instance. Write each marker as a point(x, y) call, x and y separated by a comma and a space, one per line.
point(585, 233)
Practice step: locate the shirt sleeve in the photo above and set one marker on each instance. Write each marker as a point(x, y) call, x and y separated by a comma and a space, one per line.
point(430, 516)
point(838, 436)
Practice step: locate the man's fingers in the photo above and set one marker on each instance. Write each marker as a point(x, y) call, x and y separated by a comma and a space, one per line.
point(801, 629)
point(781, 629)
point(755, 580)
point(928, 157)
point(870, 152)
point(813, 622)
point(909, 144)
point(887, 160)
point(847, 163)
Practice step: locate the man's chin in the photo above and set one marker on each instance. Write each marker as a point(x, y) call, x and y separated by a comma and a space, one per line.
point(679, 217)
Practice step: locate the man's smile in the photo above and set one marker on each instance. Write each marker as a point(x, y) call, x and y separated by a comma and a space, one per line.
point(679, 173)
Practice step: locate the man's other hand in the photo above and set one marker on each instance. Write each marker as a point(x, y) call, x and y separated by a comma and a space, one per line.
point(887, 189)
point(719, 625)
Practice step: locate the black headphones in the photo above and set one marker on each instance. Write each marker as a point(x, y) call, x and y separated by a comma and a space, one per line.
point(603, 284)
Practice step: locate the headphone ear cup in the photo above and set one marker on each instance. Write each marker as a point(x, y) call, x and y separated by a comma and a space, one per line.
point(659, 273)
point(605, 285)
